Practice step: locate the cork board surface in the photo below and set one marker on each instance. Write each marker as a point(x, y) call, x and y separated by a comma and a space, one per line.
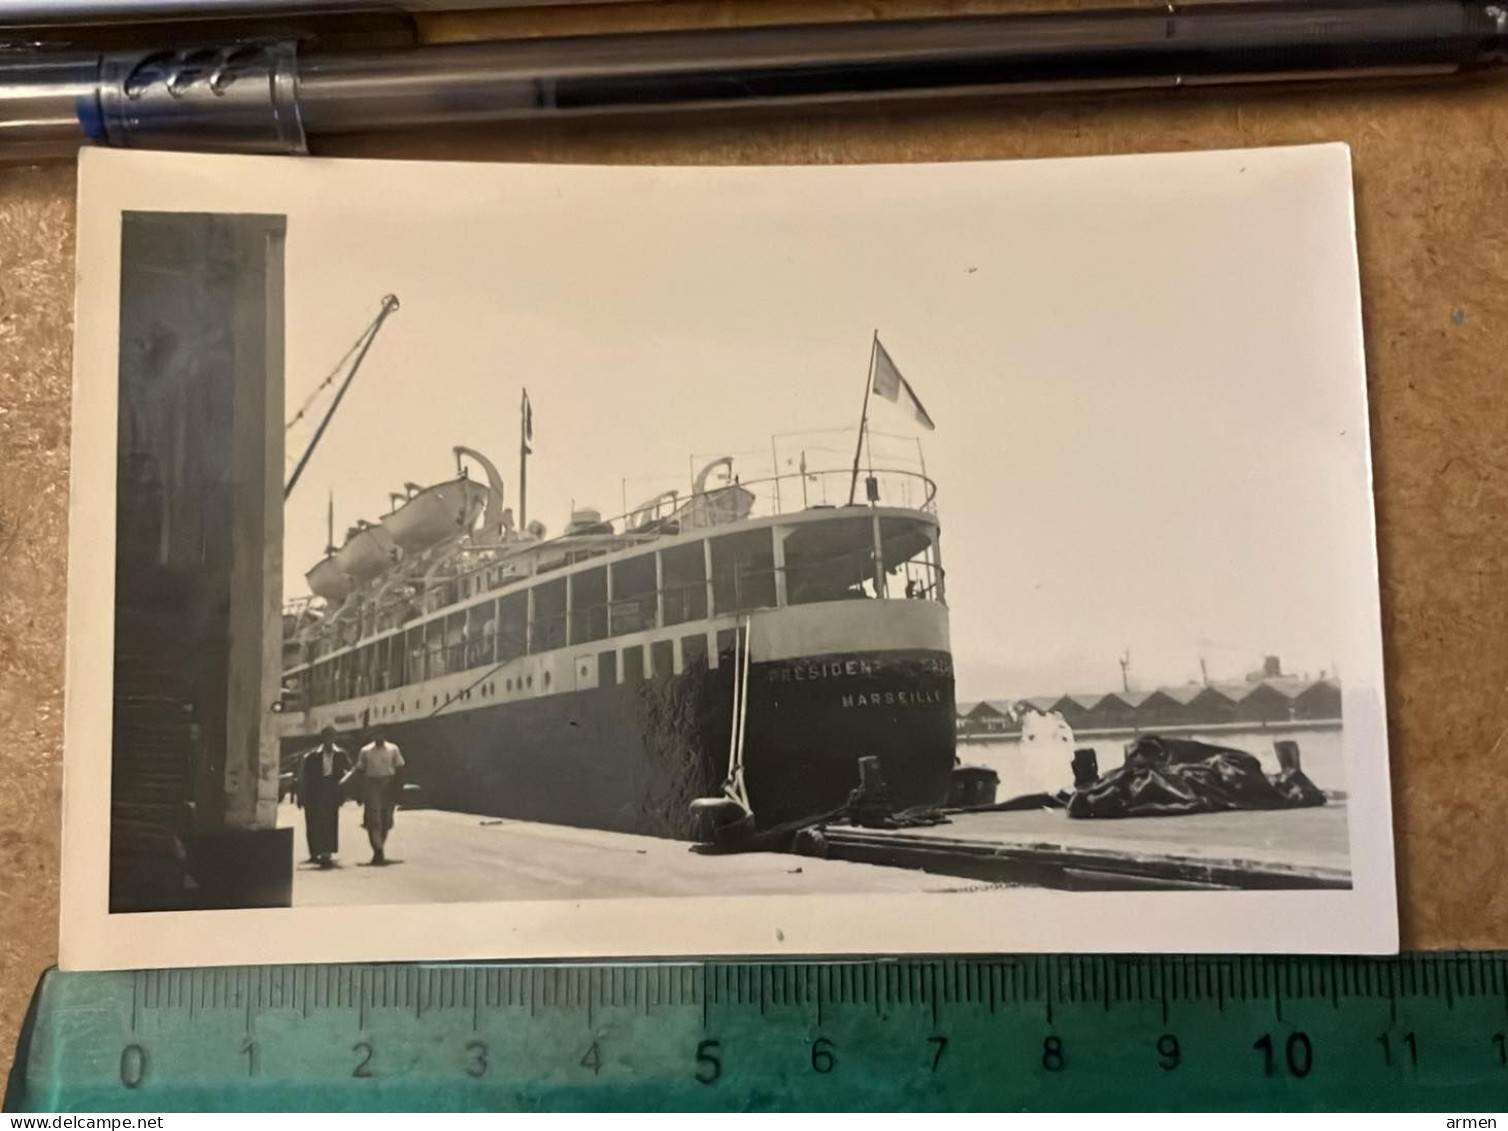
point(1429, 164)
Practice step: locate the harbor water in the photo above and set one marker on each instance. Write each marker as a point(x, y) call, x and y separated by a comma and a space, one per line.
point(1040, 759)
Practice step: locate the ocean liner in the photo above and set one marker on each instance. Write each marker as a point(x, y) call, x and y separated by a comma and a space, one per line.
point(747, 640)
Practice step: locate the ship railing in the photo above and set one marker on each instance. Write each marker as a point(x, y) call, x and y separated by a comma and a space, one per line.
point(792, 493)
point(798, 491)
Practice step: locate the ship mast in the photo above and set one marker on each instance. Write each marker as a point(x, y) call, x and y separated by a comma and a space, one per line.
point(853, 481)
point(525, 434)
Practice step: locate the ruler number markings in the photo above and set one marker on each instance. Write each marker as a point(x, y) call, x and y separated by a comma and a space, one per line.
point(1298, 1053)
point(1169, 1052)
point(941, 1044)
point(364, 1050)
point(709, 1060)
point(476, 1062)
point(1421, 1045)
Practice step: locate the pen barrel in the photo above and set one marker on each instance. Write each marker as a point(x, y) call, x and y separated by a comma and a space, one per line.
point(832, 63)
point(40, 100)
point(241, 98)
point(265, 98)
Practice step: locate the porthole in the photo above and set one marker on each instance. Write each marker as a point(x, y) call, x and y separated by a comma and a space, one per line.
point(547, 679)
point(531, 679)
point(508, 684)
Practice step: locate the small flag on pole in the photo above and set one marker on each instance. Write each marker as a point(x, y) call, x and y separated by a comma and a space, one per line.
point(889, 383)
point(528, 423)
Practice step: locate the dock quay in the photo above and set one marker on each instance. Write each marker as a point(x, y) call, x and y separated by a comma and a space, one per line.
point(446, 857)
point(441, 856)
point(1241, 850)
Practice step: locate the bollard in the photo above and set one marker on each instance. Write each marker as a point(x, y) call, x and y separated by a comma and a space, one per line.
point(871, 780)
point(1288, 755)
point(1086, 768)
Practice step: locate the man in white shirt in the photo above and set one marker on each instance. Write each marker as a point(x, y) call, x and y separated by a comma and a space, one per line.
point(380, 765)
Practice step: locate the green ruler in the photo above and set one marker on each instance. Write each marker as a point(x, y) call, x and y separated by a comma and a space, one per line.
point(1030, 1032)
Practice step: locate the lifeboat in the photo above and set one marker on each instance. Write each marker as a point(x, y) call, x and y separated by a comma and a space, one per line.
point(325, 580)
point(436, 513)
point(368, 552)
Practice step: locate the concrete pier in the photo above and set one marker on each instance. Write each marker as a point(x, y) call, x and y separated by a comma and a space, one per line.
point(442, 857)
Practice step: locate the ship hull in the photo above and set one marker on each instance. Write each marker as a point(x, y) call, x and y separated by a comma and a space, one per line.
point(631, 757)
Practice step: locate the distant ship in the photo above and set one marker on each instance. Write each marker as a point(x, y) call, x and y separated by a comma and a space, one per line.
point(609, 676)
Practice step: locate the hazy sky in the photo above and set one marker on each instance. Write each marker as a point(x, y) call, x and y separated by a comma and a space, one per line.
point(1145, 373)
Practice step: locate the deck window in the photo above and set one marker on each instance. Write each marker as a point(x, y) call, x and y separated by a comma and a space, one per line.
point(548, 630)
point(607, 669)
point(513, 626)
point(727, 645)
point(662, 658)
point(633, 664)
point(589, 606)
point(634, 597)
point(743, 571)
point(832, 560)
point(685, 583)
point(414, 647)
point(397, 661)
point(481, 633)
point(456, 643)
point(693, 651)
point(909, 550)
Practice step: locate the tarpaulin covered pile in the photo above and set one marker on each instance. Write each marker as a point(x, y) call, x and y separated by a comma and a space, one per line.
point(1165, 777)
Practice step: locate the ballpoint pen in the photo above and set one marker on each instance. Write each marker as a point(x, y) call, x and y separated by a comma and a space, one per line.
point(273, 97)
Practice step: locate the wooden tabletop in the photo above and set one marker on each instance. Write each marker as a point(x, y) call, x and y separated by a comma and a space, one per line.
point(1433, 212)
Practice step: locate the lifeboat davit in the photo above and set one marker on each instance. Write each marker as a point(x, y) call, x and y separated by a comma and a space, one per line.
point(436, 513)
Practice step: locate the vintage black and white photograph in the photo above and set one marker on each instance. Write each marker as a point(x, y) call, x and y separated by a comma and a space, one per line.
point(549, 561)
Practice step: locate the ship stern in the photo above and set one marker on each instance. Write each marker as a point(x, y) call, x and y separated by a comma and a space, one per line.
point(835, 682)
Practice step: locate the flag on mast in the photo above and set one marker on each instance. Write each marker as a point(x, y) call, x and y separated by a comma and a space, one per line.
point(889, 383)
point(527, 411)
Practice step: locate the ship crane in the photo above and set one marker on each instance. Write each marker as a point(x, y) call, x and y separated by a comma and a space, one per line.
point(358, 353)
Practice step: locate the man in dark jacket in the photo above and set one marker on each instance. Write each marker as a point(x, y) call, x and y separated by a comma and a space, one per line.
point(320, 794)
